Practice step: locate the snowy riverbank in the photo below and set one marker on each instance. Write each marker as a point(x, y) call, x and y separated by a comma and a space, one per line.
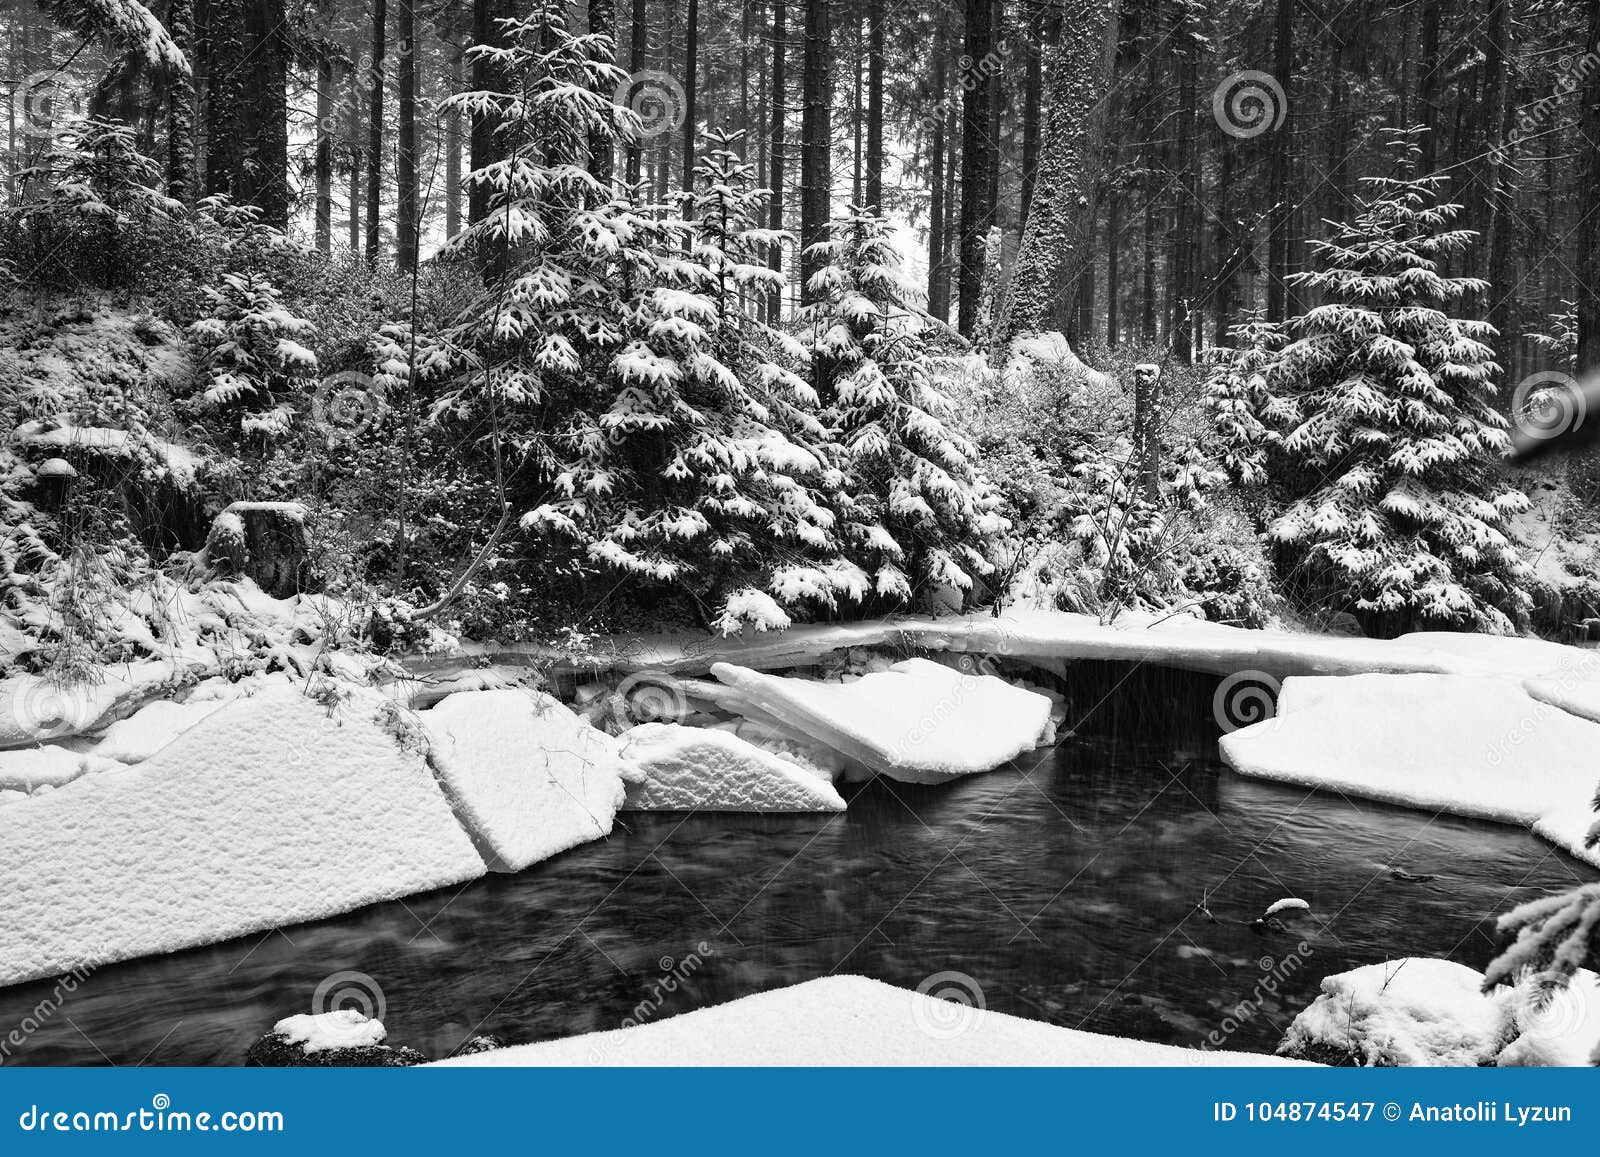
point(851, 1020)
point(166, 827)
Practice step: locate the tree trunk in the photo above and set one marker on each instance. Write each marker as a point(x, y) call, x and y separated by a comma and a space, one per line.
point(816, 138)
point(856, 118)
point(691, 72)
point(1054, 248)
point(977, 157)
point(352, 79)
point(322, 162)
point(380, 46)
point(875, 64)
point(778, 94)
point(1147, 289)
point(1280, 219)
point(265, 174)
point(485, 145)
point(638, 61)
point(1228, 245)
point(952, 167)
point(1427, 113)
point(452, 136)
point(1501, 208)
point(938, 298)
point(1183, 249)
point(180, 107)
point(407, 215)
point(1146, 430)
point(1032, 94)
point(1113, 266)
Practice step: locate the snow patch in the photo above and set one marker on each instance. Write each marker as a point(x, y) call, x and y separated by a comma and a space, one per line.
point(1287, 904)
point(343, 1028)
point(919, 721)
point(1415, 1011)
point(33, 767)
point(1553, 1027)
point(138, 737)
point(850, 1020)
point(273, 811)
point(1466, 745)
point(528, 777)
point(678, 768)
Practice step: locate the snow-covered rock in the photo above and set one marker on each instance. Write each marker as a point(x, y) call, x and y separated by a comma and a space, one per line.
point(343, 1037)
point(343, 1028)
point(29, 767)
point(1575, 696)
point(919, 721)
point(1414, 1012)
point(527, 776)
point(1507, 655)
point(850, 1020)
point(675, 768)
point(1553, 1026)
point(152, 727)
point(1435, 1012)
point(177, 461)
point(1467, 745)
point(273, 811)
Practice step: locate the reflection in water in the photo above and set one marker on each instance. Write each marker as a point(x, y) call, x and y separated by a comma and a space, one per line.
point(1068, 891)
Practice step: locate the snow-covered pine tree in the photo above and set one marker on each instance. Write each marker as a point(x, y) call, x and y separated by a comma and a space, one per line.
point(1561, 340)
point(1237, 396)
point(555, 247)
point(917, 515)
point(254, 353)
point(128, 26)
point(91, 202)
point(618, 358)
point(1388, 435)
point(712, 469)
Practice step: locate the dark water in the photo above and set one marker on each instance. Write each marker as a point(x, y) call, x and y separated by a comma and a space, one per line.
point(1067, 892)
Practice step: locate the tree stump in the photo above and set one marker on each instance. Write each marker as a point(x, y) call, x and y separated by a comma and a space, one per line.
point(265, 542)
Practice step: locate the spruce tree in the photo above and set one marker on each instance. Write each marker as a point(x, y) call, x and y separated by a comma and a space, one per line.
point(1237, 395)
point(1388, 434)
point(918, 515)
point(709, 467)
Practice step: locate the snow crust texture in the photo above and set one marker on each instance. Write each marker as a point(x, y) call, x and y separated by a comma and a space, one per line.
point(676, 768)
point(268, 813)
point(850, 1020)
point(527, 776)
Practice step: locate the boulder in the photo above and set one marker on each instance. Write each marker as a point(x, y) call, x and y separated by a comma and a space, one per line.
point(527, 776)
point(919, 721)
point(343, 1038)
point(676, 768)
